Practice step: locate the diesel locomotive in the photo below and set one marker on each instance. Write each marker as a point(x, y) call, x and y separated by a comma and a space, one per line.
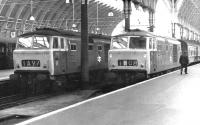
point(141, 52)
point(53, 54)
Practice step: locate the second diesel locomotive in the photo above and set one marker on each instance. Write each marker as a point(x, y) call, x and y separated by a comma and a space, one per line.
point(52, 54)
point(141, 52)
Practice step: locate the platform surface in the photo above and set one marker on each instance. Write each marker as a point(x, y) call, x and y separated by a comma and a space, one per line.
point(4, 74)
point(172, 99)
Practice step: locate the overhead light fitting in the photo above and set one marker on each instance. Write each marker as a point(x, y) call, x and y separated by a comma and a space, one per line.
point(110, 14)
point(32, 18)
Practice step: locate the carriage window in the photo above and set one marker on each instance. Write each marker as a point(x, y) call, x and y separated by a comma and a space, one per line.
point(62, 43)
point(119, 43)
point(137, 43)
point(99, 48)
point(73, 46)
point(55, 42)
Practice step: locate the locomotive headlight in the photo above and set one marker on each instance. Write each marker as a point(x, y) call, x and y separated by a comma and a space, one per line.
point(142, 65)
point(110, 55)
point(17, 66)
point(145, 55)
point(45, 66)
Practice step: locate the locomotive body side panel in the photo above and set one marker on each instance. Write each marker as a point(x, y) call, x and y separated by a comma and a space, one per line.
point(98, 56)
point(166, 56)
point(74, 56)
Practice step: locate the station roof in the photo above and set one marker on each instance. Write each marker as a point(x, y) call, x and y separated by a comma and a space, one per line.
point(103, 15)
point(189, 12)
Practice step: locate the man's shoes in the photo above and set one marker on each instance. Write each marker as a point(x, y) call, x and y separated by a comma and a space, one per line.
point(186, 73)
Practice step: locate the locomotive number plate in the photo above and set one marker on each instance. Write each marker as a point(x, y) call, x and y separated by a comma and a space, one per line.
point(127, 62)
point(31, 63)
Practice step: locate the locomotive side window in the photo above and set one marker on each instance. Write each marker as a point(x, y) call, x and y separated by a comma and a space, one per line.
point(137, 43)
point(99, 48)
point(73, 46)
point(55, 42)
point(62, 43)
point(67, 42)
point(150, 43)
point(90, 47)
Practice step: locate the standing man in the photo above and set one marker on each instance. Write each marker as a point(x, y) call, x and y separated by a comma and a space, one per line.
point(184, 62)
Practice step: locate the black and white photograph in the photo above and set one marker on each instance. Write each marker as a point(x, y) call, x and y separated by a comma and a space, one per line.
point(99, 62)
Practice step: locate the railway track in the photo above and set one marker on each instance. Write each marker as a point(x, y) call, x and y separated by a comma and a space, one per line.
point(18, 99)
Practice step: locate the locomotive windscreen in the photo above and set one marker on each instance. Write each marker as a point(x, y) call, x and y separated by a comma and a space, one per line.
point(34, 42)
point(119, 43)
point(137, 43)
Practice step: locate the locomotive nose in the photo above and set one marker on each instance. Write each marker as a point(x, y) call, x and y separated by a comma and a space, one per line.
point(127, 60)
point(30, 60)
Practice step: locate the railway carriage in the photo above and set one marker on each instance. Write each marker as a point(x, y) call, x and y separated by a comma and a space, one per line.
point(192, 48)
point(51, 54)
point(7, 45)
point(142, 52)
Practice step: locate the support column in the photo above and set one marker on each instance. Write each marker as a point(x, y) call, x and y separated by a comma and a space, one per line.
point(84, 42)
point(127, 12)
point(151, 21)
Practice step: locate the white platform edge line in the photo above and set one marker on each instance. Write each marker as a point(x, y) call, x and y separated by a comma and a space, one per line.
point(95, 98)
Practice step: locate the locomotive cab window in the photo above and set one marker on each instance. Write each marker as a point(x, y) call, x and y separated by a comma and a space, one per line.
point(90, 47)
point(137, 43)
point(73, 46)
point(119, 42)
point(55, 42)
point(62, 43)
point(150, 43)
point(33, 42)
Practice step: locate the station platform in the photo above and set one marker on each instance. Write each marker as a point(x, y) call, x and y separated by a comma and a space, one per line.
point(171, 99)
point(4, 74)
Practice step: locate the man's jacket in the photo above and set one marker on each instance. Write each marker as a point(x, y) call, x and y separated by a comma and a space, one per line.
point(183, 60)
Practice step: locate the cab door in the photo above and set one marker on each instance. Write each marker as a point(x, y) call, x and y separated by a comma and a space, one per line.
point(59, 55)
point(63, 55)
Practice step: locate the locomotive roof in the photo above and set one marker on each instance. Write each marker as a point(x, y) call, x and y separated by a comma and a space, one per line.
point(58, 32)
point(137, 32)
point(50, 32)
